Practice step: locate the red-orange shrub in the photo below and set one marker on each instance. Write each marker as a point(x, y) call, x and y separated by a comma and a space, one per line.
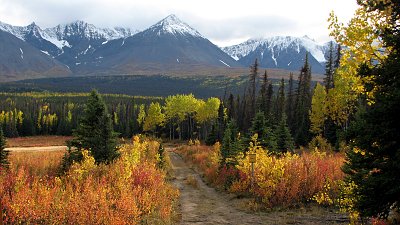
point(286, 180)
point(130, 191)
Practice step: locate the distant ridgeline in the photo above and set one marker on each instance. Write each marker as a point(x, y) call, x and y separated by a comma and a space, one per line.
point(35, 113)
point(201, 86)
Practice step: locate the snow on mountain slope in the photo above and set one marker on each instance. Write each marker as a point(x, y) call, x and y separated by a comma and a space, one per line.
point(57, 35)
point(278, 43)
point(17, 31)
point(86, 30)
point(173, 25)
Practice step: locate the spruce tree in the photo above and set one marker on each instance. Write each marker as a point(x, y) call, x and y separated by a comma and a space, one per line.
point(329, 69)
point(338, 57)
point(252, 88)
point(212, 136)
point(303, 105)
point(284, 139)
point(262, 100)
point(249, 100)
point(266, 137)
point(374, 162)
point(290, 103)
point(270, 94)
point(228, 147)
point(280, 102)
point(231, 107)
point(330, 66)
point(4, 163)
point(95, 132)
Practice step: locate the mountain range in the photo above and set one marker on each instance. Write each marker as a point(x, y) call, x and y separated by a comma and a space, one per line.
point(168, 47)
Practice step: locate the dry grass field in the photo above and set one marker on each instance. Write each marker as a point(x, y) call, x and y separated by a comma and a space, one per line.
point(37, 141)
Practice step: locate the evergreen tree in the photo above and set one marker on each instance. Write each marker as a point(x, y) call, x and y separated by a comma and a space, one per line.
point(331, 65)
point(374, 162)
point(270, 94)
point(290, 103)
point(246, 117)
point(266, 137)
point(4, 163)
point(303, 105)
point(329, 69)
point(252, 88)
point(220, 122)
point(284, 139)
point(249, 100)
point(212, 136)
point(262, 100)
point(338, 57)
point(280, 102)
point(94, 133)
point(258, 124)
point(228, 147)
point(231, 107)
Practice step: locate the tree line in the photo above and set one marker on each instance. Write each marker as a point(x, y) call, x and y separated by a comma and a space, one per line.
point(36, 113)
point(282, 118)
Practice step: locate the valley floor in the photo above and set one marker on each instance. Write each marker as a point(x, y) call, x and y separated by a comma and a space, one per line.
point(201, 204)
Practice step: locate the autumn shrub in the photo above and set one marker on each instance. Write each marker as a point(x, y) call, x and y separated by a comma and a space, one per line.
point(131, 190)
point(320, 143)
point(37, 163)
point(290, 179)
point(285, 180)
point(207, 160)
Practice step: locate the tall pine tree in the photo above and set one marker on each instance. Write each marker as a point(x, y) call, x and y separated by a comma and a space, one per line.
point(270, 94)
point(284, 139)
point(329, 69)
point(338, 57)
point(266, 137)
point(231, 107)
point(229, 141)
point(250, 106)
point(262, 97)
point(95, 132)
point(290, 103)
point(374, 163)
point(280, 102)
point(303, 105)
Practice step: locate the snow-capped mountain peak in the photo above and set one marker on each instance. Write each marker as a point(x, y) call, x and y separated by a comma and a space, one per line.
point(17, 31)
point(277, 43)
point(284, 52)
point(86, 30)
point(173, 25)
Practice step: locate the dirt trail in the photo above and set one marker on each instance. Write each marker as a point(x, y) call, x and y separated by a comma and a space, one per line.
point(47, 148)
point(201, 204)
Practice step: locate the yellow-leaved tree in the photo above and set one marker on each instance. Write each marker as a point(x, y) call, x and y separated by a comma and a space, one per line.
point(318, 110)
point(362, 46)
point(154, 117)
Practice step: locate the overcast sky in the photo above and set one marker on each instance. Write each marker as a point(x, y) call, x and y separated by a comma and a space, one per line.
point(224, 22)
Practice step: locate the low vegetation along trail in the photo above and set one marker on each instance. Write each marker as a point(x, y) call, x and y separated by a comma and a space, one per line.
point(201, 204)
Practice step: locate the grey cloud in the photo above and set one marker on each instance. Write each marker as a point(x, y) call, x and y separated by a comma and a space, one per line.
point(257, 26)
point(48, 13)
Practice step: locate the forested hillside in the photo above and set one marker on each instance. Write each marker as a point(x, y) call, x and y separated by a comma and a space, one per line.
point(33, 113)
